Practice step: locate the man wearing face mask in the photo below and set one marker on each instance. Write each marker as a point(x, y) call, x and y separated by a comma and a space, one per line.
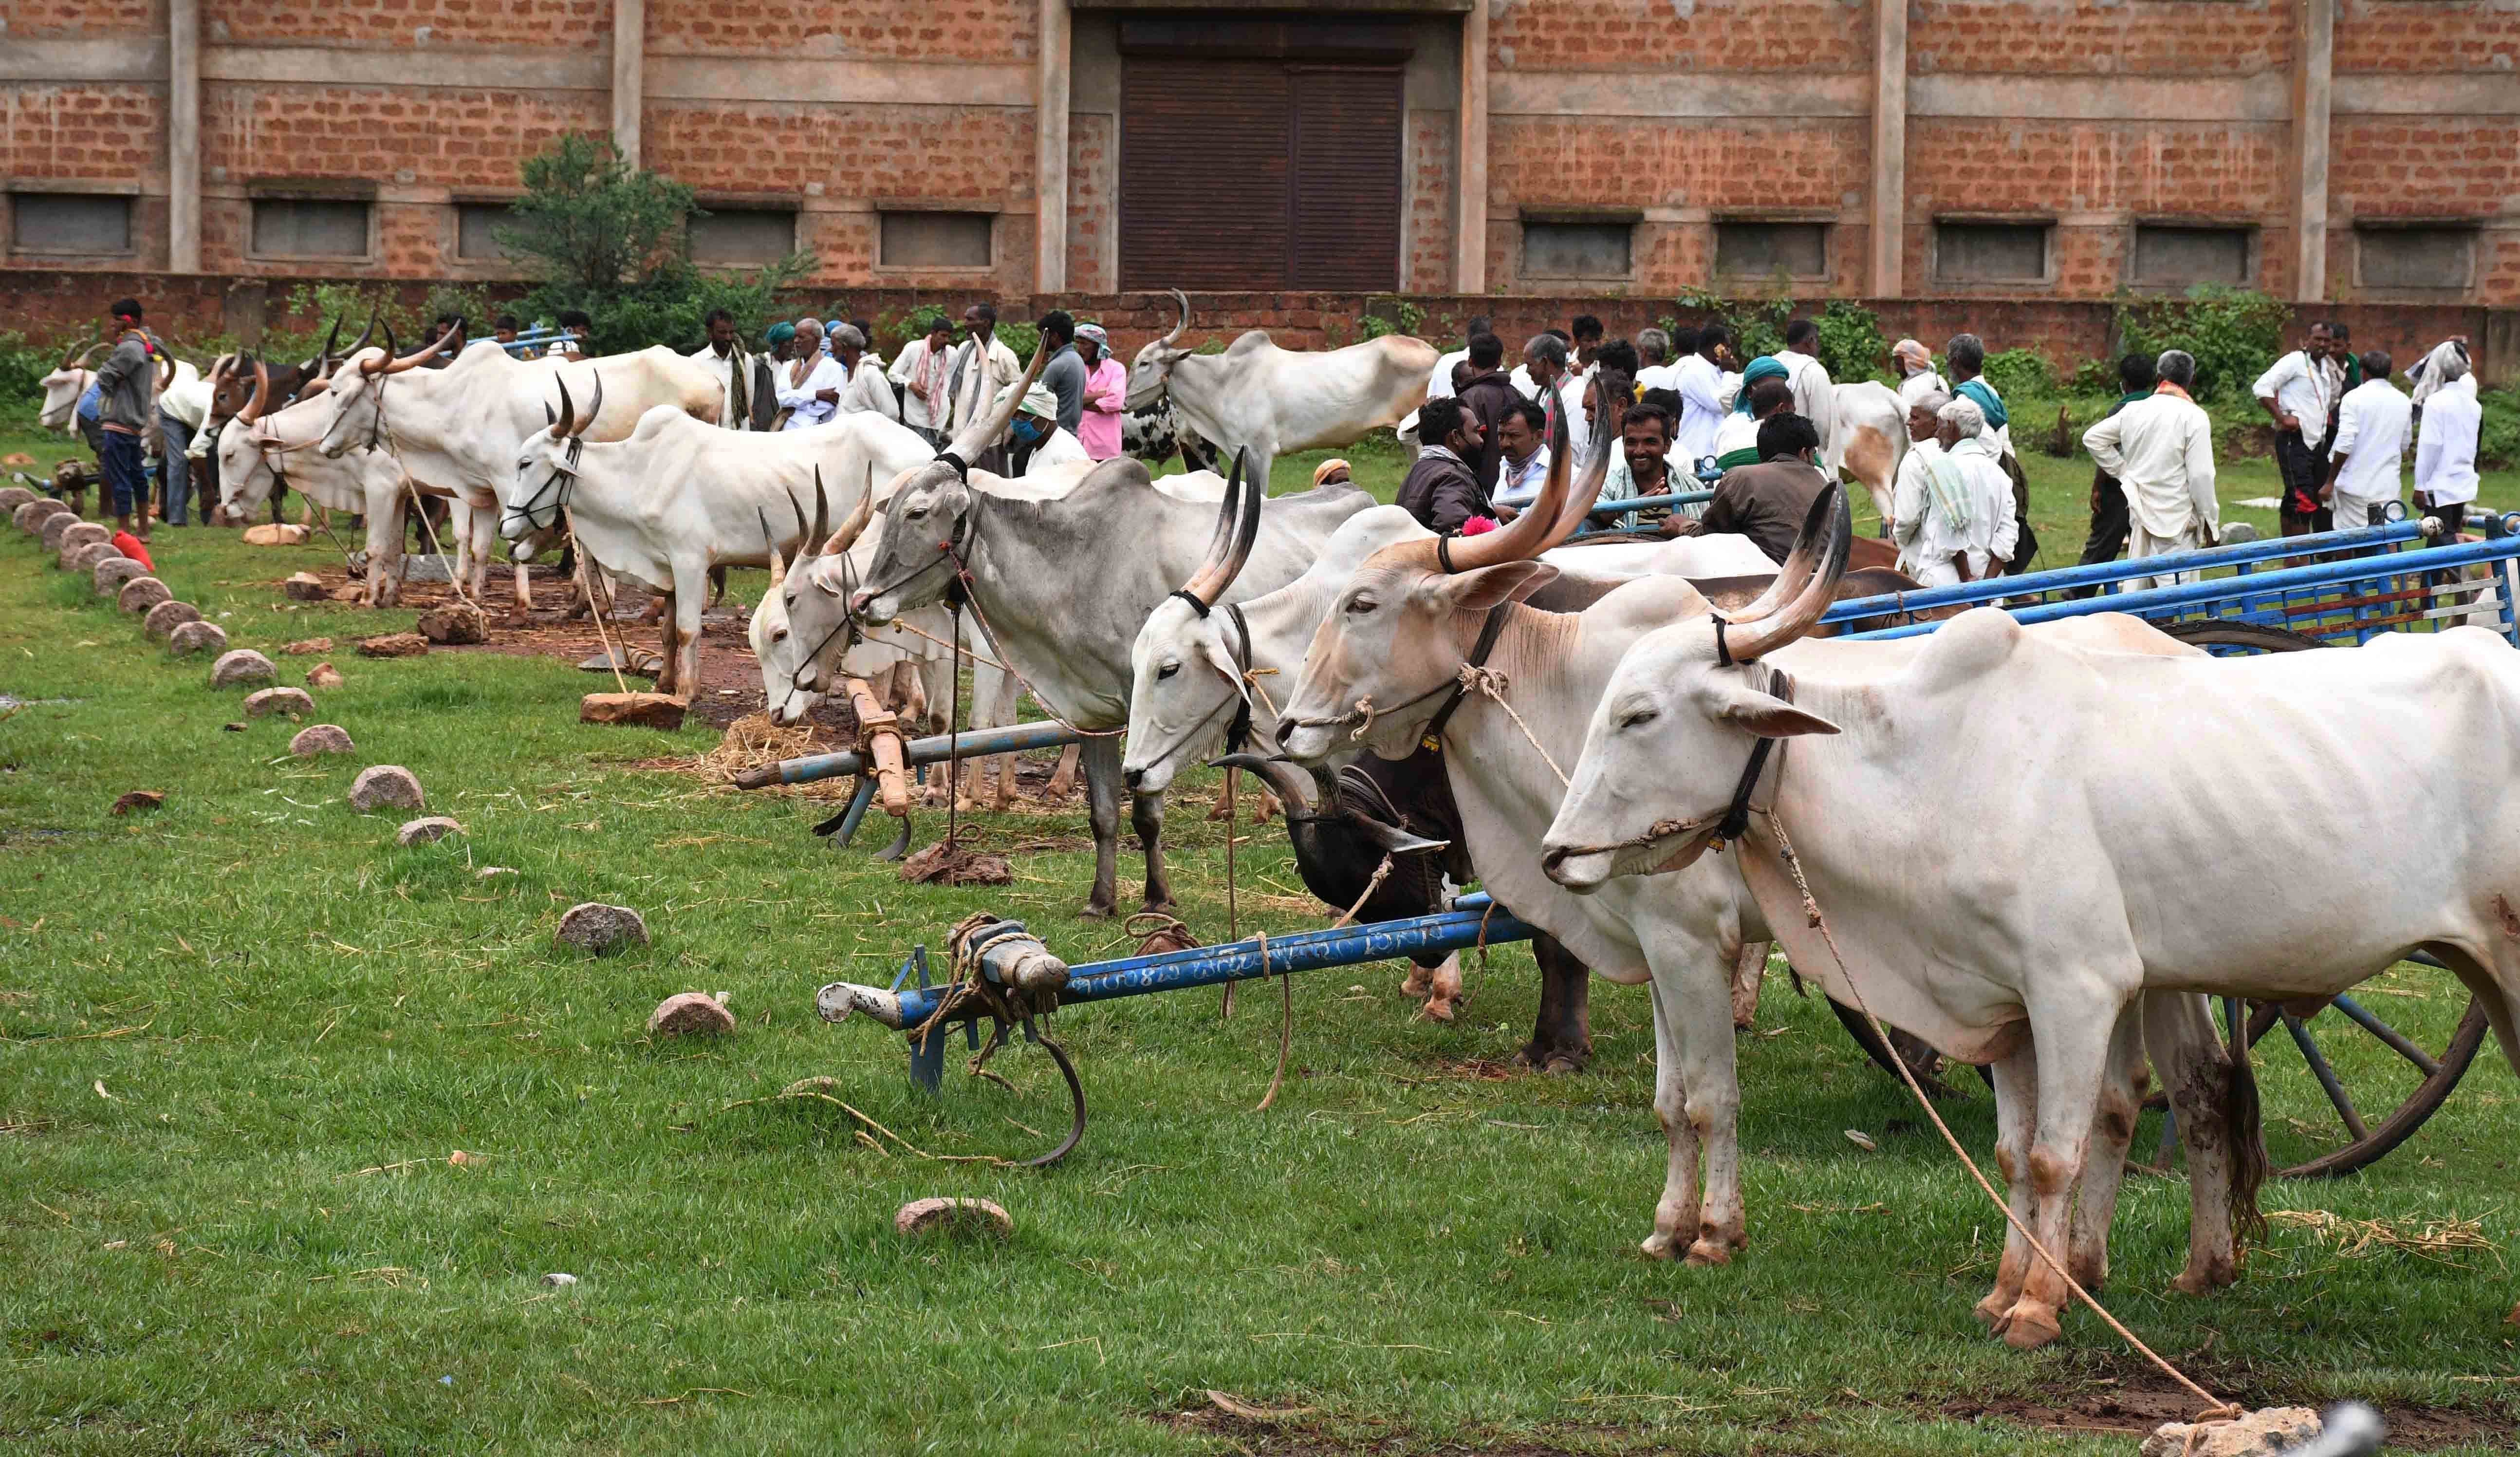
point(1034, 442)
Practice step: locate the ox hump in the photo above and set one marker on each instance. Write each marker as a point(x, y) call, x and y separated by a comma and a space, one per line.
point(1252, 342)
point(1967, 647)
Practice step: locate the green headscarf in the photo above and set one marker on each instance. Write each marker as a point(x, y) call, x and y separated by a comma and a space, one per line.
point(779, 334)
point(1765, 367)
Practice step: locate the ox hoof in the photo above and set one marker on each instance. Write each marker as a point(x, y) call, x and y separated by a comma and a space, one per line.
point(1220, 813)
point(1989, 1311)
point(2195, 1281)
point(2028, 1327)
point(1709, 1253)
point(1560, 1065)
point(1418, 984)
point(1440, 1009)
point(1095, 913)
point(1660, 1246)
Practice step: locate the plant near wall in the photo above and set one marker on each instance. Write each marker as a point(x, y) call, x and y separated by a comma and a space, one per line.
point(2233, 333)
point(1852, 346)
point(613, 240)
point(1404, 317)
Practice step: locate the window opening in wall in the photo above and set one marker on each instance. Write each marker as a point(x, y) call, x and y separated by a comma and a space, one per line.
point(1987, 252)
point(1578, 249)
point(476, 239)
point(2416, 258)
point(935, 240)
point(2168, 255)
point(309, 228)
point(730, 236)
point(69, 223)
point(1764, 249)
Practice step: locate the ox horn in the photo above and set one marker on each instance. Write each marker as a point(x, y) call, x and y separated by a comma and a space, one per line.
point(77, 355)
point(594, 407)
point(428, 351)
point(1247, 526)
point(1808, 584)
point(805, 534)
point(1532, 531)
point(1587, 488)
point(1182, 299)
point(372, 365)
point(1212, 578)
point(985, 431)
point(261, 399)
point(315, 366)
point(361, 342)
point(860, 515)
point(567, 409)
point(777, 567)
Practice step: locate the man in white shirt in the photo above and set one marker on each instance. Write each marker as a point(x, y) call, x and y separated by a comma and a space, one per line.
point(1815, 392)
point(922, 372)
point(1544, 360)
point(810, 382)
point(182, 408)
point(2445, 442)
point(1957, 524)
point(1439, 385)
point(2298, 393)
point(1703, 398)
point(1916, 374)
point(2161, 450)
point(982, 365)
point(867, 389)
point(2372, 423)
point(1904, 514)
point(1654, 369)
point(731, 365)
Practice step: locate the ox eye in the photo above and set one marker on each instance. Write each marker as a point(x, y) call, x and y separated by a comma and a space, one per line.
point(1167, 670)
point(1359, 606)
point(1639, 717)
point(917, 513)
point(780, 636)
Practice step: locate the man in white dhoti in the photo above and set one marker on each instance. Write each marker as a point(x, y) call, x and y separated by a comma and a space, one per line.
point(2161, 450)
point(1960, 525)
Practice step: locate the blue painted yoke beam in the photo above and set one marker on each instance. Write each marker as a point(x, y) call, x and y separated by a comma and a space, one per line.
point(932, 749)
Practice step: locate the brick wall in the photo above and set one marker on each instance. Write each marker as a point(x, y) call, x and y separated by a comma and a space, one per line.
point(2190, 37)
point(410, 23)
point(790, 30)
point(93, 132)
point(32, 19)
point(2455, 35)
point(1683, 34)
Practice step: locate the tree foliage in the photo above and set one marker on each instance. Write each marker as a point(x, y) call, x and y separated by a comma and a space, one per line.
point(2233, 333)
point(1852, 346)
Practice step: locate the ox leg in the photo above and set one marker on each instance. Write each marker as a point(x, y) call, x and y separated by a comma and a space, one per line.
point(2096, 1197)
point(2224, 1156)
point(2072, 1056)
point(1750, 970)
point(385, 550)
point(683, 608)
point(1676, 1213)
point(525, 605)
point(1103, 810)
point(1562, 1035)
point(2016, 1107)
point(1694, 976)
point(1269, 808)
point(1147, 817)
point(1062, 780)
point(1222, 808)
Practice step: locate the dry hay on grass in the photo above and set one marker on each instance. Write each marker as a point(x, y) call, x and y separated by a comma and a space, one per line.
point(753, 741)
point(2439, 1240)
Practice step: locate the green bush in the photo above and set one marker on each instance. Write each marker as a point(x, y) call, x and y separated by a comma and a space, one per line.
point(23, 365)
point(2233, 333)
point(2021, 373)
point(1852, 346)
point(2497, 445)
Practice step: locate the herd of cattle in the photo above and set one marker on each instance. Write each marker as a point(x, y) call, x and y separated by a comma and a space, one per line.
point(2036, 848)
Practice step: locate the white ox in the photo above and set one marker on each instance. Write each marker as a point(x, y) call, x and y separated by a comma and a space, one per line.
point(1869, 437)
point(63, 386)
point(2014, 836)
point(461, 428)
point(1260, 398)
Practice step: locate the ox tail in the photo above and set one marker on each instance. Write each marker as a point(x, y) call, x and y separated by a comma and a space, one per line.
point(2244, 1138)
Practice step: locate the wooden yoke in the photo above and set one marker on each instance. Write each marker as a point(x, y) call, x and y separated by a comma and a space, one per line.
point(879, 737)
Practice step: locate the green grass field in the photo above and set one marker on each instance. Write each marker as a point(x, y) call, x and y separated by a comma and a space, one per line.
point(240, 1036)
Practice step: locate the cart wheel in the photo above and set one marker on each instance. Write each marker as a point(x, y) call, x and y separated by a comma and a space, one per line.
point(2436, 1073)
point(2229, 638)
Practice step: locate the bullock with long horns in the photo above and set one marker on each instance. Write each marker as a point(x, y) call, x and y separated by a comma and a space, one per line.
point(1258, 399)
point(1062, 584)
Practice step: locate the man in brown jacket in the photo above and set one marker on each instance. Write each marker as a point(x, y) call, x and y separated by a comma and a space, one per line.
point(1487, 392)
point(1442, 491)
point(1767, 502)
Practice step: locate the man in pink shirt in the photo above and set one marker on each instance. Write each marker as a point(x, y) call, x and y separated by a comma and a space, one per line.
point(1106, 393)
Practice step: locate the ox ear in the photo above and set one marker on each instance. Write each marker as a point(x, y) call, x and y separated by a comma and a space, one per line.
point(1486, 587)
point(1768, 715)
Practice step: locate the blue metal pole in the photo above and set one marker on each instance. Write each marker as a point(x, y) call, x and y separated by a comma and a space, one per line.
point(935, 749)
point(1641, 503)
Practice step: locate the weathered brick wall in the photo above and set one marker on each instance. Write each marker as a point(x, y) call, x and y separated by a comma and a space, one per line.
point(1093, 200)
point(33, 20)
point(2406, 166)
point(446, 137)
point(93, 132)
point(420, 24)
point(788, 29)
point(1683, 34)
point(2047, 37)
point(2453, 35)
point(1426, 190)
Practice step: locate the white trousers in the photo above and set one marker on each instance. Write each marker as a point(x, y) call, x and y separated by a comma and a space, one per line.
point(2141, 544)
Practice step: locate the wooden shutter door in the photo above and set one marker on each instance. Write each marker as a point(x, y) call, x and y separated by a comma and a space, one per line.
point(1203, 170)
point(1344, 219)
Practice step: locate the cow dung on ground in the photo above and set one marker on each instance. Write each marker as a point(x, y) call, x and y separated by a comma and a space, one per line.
point(592, 925)
point(112, 573)
point(272, 701)
point(306, 586)
point(323, 676)
point(163, 618)
point(690, 1013)
point(243, 666)
point(394, 645)
point(426, 829)
point(321, 738)
point(87, 556)
point(142, 593)
point(456, 624)
point(953, 1216)
point(385, 787)
point(195, 638)
point(307, 647)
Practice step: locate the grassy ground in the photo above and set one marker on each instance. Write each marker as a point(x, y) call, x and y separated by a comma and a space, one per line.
point(240, 1036)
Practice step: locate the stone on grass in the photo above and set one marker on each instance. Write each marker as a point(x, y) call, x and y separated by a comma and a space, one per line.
point(690, 1013)
point(112, 573)
point(592, 925)
point(240, 667)
point(270, 701)
point(955, 1216)
point(193, 638)
point(323, 676)
point(2257, 1433)
point(142, 593)
point(394, 645)
point(321, 738)
point(77, 533)
point(560, 1280)
point(14, 496)
point(31, 517)
point(654, 710)
point(307, 647)
point(53, 530)
point(306, 586)
point(384, 787)
point(275, 535)
point(163, 618)
point(87, 556)
point(426, 831)
point(456, 623)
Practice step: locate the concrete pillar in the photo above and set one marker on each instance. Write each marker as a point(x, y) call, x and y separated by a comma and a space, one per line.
point(2313, 69)
point(183, 136)
point(1050, 151)
point(1884, 278)
point(1471, 177)
point(629, 74)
